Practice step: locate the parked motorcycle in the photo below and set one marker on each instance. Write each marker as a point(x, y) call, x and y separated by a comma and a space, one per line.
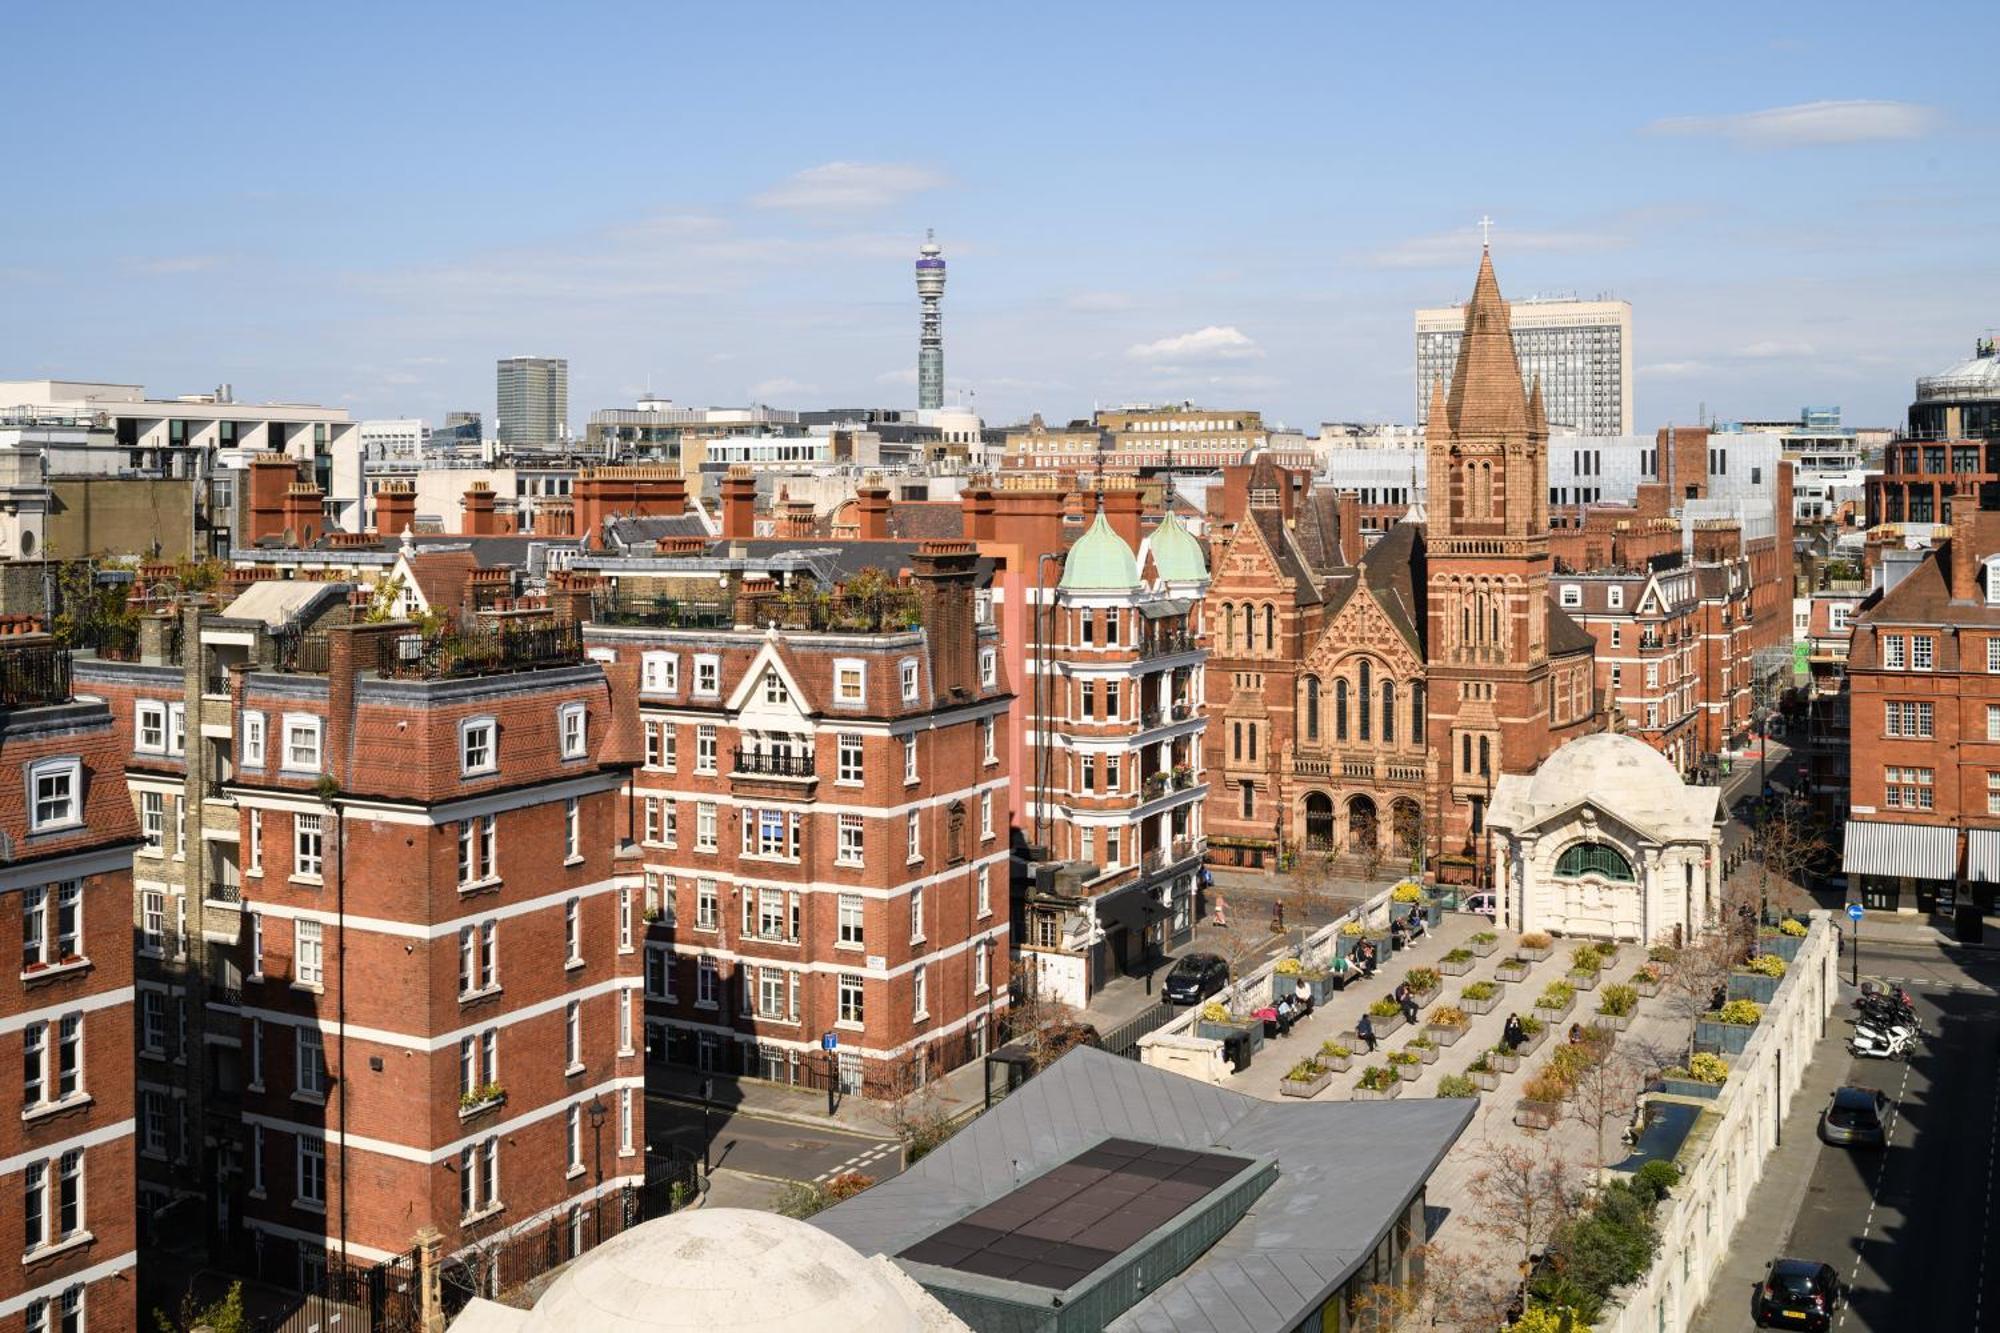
point(1887, 1015)
point(1885, 1043)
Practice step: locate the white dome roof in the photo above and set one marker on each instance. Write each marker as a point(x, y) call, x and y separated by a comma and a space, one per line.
point(716, 1269)
point(1605, 764)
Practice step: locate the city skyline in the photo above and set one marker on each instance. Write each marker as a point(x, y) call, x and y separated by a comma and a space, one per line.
point(1259, 252)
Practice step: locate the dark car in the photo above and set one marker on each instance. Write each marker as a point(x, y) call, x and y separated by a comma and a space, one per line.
point(1194, 978)
point(1853, 1119)
point(1796, 1293)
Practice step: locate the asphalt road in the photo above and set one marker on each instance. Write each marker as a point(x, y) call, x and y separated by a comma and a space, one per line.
point(778, 1149)
point(1911, 1228)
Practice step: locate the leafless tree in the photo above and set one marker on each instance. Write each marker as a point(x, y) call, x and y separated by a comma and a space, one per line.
point(1606, 1091)
point(1461, 1291)
point(1700, 971)
point(1787, 840)
point(1314, 888)
point(1520, 1194)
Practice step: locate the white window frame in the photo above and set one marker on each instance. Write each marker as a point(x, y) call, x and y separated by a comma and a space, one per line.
point(852, 832)
point(471, 764)
point(302, 726)
point(572, 830)
point(984, 890)
point(308, 953)
point(1572, 596)
point(252, 752)
point(309, 1187)
point(851, 920)
point(573, 723)
point(308, 861)
point(910, 773)
point(309, 1061)
point(707, 675)
point(149, 716)
point(851, 769)
point(64, 769)
point(911, 677)
point(989, 667)
point(842, 696)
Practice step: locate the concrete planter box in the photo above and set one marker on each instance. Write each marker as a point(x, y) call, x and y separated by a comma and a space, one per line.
point(1616, 1022)
point(1482, 948)
point(1485, 1006)
point(1549, 1015)
point(1339, 1064)
point(1582, 979)
point(1312, 1088)
point(1455, 967)
point(1224, 1031)
point(1384, 1026)
point(1532, 1044)
point(1388, 1094)
point(1486, 1080)
point(1722, 1038)
point(1409, 1073)
point(1753, 986)
point(1785, 946)
point(1423, 998)
point(1537, 1115)
point(1427, 1054)
point(1316, 985)
point(1384, 946)
point(1502, 1062)
point(1689, 1087)
point(1534, 955)
point(1514, 969)
point(1445, 1035)
point(1647, 989)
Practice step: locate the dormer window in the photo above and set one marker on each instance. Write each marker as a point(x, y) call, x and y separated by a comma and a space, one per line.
point(1572, 596)
point(55, 794)
point(478, 747)
point(774, 689)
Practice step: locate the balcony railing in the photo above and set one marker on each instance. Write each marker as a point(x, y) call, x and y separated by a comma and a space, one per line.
point(666, 613)
point(776, 763)
point(1165, 643)
point(34, 675)
point(484, 652)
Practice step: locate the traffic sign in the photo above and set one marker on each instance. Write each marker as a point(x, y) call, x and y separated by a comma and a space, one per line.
point(829, 1041)
point(1854, 911)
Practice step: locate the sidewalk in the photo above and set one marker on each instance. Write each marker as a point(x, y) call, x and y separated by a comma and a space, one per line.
point(958, 1091)
point(1775, 1203)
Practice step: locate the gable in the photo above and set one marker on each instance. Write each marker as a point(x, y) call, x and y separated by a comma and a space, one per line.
point(1362, 626)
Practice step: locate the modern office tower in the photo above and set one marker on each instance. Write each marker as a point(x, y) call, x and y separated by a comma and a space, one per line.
point(930, 338)
point(69, 1161)
point(534, 400)
point(1580, 351)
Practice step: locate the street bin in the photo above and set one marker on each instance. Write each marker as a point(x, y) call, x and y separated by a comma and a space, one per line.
point(1236, 1052)
point(1971, 923)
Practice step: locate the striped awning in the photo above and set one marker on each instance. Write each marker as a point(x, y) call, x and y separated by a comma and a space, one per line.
point(1982, 855)
point(1915, 851)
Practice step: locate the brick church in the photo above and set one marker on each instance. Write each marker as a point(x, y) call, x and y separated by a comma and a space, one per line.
point(1364, 702)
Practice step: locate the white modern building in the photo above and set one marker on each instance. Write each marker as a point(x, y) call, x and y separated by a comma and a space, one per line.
point(1829, 461)
point(395, 437)
point(1581, 351)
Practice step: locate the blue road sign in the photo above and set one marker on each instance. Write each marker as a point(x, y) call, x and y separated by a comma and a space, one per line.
point(828, 1041)
point(1854, 911)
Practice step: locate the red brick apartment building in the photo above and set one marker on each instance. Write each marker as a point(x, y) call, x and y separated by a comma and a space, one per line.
point(1923, 676)
point(67, 834)
point(413, 946)
point(824, 803)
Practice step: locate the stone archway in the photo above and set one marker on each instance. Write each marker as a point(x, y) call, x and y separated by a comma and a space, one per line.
point(1363, 836)
point(1320, 822)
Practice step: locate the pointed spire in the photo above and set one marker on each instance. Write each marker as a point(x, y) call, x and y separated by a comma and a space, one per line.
point(1538, 413)
point(1487, 396)
point(1437, 418)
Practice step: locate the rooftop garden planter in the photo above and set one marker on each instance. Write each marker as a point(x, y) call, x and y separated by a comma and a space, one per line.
point(1615, 1007)
point(1778, 943)
point(1513, 969)
point(1584, 978)
point(1647, 980)
point(1424, 984)
point(1335, 1056)
point(1793, 927)
point(1483, 944)
point(1675, 1084)
point(1555, 1002)
point(1307, 1078)
point(486, 1098)
point(1484, 1074)
point(1424, 1047)
point(1753, 986)
point(1530, 1114)
point(1502, 1060)
point(1383, 1023)
point(1535, 946)
point(1407, 1065)
point(1377, 1084)
point(1535, 1033)
point(1457, 963)
point(1729, 1029)
point(1479, 997)
point(1458, 1085)
point(1447, 1024)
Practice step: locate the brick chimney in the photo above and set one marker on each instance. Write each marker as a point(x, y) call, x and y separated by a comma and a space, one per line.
point(395, 508)
point(976, 512)
point(304, 513)
point(649, 490)
point(264, 505)
point(350, 650)
point(944, 573)
point(739, 503)
point(555, 518)
point(871, 508)
point(1029, 510)
point(1684, 460)
point(478, 513)
point(1969, 535)
point(572, 596)
point(797, 521)
point(1347, 509)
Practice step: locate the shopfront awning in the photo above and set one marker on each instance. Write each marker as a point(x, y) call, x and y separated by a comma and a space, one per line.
point(1898, 851)
point(1982, 855)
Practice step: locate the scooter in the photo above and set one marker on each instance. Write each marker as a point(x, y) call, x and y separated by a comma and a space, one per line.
point(1887, 1015)
point(1883, 1043)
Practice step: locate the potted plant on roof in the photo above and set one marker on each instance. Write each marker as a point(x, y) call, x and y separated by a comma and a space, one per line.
point(1757, 979)
point(1405, 899)
point(1479, 997)
point(1385, 1016)
point(1555, 1001)
point(1447, 1024)
point(1728, 1030)
point(1424, 1048)
point(1782, 939)
point(1335, 1056)
point(1377, 1084)
point(1535, 946)
point(1217, 1024)
point(1663, 956)
point(1513, 969)
point(1615, 1007)
point(1408, 1065)
point(1457, 963)
point(1484, 1072)
point(1541, 1101)
point(1534, 1032)
point(1348, 937)
point(1483, 943)
point(1459, 1085)
point(1646, 980)
point(1305, 1079)
point(1584, 964)
point(1704, 1076)
point(1424, 984)
point(1499, 1059)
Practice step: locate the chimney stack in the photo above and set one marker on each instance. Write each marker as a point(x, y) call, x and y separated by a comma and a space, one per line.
point(478, 514)
point(976, 512)
point(395, 508)
point(739, 503)
point(944, 573)
point(1121, 509)
point(1347, 507)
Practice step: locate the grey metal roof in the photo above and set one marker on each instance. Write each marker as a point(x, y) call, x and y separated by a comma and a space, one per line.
point(1346, 1172)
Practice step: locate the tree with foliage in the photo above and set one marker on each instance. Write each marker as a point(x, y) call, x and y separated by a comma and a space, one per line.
point(223, 1315)
point(1607, 1246)
point(89, 614)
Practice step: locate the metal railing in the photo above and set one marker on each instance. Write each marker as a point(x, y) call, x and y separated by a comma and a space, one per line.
point(34, 675)
point(665, 613)
point(776, 763)
point(1165, 643)
point(485, 652)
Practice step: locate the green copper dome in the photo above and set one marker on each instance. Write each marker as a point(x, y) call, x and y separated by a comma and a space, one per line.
point(1176, 554)
point(1100, 561)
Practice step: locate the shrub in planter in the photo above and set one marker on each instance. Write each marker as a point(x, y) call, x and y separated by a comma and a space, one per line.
point(1480, 997)
point(1646, 981)
point(1740, 1013)
point(1457, 1085)
point(1407, 1065)
point(1584, 980)
point(1449, 1016)
point(1456, 963)
point(1377, 1084)
point(1535, 1031)
point(1214, 1012)
point(1663, 953)
point(1287, 967)
point(1335, 1056)
point(1657, 1178)
point(1545, 1085)
point(1585, 958)
point(1426, 1049)
point(1502, 1059)
point(1352, 929)
point(1483, 1073)
point(1485, 939)
point(1385, 1008)
point(1513, 969)
point(1707, 1067)
point(1558, 999)
point(1767, 965)
point(1305, 1079)
point(1536, 945)
point(1617, 1001)
point(1424, 979)
point(1407, 892)
point(1793, 927)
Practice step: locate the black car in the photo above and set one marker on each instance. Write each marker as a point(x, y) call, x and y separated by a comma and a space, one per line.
point(1796, 1293)
point(1854, 1119)
point(1194, 978)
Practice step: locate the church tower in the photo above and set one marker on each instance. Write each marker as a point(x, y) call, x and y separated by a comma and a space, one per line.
point(1487, 576)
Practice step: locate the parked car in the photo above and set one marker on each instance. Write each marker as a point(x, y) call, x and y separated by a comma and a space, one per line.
point(1854, 1117)
point(1194, 978)
point(1796, 1293)
point(1481, 903)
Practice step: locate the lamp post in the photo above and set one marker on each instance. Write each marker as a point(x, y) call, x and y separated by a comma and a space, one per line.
point(707, 1137)
point(597, 1113)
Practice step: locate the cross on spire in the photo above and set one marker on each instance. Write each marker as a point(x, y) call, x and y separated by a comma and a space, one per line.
point(1485, 232)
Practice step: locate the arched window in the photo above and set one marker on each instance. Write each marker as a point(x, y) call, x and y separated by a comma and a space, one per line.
point(1312, 708)
point(1485, 757)
point(1228, 628)
point(1366, 694)
point(1466, 759)
point(1388, 712)
point(1340, 708)
point(1594, 858)
point(1270, 628)
point(1417, 712)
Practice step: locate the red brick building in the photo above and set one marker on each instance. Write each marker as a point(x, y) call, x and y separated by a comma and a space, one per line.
point(824, 802)
point(67, 1144)
point(417, 968)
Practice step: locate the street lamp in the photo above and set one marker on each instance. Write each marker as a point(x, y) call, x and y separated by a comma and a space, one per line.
point(598, 1111)
point(707, 1101)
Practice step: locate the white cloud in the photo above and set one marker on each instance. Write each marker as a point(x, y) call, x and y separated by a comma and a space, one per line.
point(1675, 370)
point(1216, 342)
point(764, 391)
point(907, 375)
point(1453, 249)
point(849, 187)
point(1810, 123)
point(1772, 349)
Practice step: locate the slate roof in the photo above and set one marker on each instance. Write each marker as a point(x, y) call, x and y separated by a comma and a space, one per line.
point(1565, 635)
point(628, 533)
point(927, 520)
point(1316, 526)
point(1337, 1191)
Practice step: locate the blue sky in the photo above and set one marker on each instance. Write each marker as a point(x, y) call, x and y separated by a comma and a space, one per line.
point(366, 204)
